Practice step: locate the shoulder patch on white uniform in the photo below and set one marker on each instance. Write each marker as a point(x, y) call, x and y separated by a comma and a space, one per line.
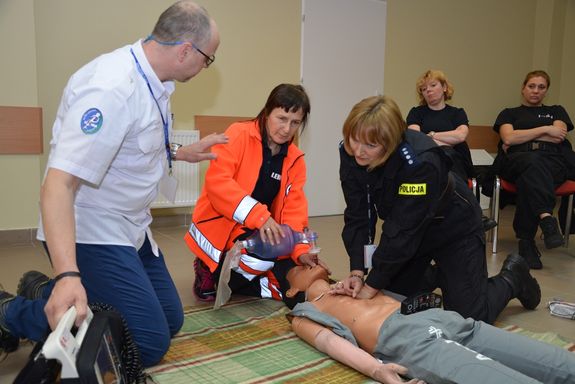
point(91, 121)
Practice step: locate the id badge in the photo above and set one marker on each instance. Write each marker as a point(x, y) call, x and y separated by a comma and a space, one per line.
point(368, 250)
point(168, 187)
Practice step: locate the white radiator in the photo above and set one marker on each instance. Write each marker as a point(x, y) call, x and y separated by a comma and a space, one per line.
point(186, 173)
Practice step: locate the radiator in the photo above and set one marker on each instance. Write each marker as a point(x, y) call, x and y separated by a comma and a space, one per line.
point(186, 173)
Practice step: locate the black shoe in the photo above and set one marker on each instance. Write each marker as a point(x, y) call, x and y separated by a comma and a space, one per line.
point(525, 288)
point(32, 284)
point(430, 278)
point(8, 343)
point(488, 223)
point(528, 250)
point(551, 234)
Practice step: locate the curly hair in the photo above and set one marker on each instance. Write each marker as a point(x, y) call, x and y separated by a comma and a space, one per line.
point(433, 74)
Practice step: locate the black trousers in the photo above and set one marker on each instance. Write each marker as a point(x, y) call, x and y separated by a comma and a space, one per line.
point(536, 175)
point(242, 286)
point(456, 242)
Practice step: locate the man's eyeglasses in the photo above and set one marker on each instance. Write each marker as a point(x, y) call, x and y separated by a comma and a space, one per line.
point(209, 59)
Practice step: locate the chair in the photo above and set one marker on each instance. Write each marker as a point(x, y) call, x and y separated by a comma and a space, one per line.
point(474, 186)
point(565, 189)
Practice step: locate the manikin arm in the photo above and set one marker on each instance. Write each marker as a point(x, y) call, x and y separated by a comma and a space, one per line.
point(338, 348)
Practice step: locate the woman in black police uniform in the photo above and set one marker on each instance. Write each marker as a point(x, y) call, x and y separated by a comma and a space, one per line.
point(402, 177)
point(535, 155)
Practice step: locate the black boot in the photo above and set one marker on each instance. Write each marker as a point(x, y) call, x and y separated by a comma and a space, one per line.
point(430, 278)
point(528, 250)
point(488, 223)
point(515, 271)
point(8, 342)
point(32, 284)
point(551, 234)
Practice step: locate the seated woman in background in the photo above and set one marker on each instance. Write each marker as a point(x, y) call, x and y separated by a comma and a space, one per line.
point(534, 155)
point(256, 184)
point(448, 126)
point(374, 338)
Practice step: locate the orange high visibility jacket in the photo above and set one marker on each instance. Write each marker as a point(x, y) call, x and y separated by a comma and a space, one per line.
point(225, 204)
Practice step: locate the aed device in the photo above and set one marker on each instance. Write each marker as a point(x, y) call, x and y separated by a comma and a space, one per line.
point(89, 355)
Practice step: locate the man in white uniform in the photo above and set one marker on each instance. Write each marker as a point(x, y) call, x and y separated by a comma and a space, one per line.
point(110, 156)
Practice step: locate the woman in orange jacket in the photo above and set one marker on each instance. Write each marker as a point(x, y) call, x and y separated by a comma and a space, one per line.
point(255, 184)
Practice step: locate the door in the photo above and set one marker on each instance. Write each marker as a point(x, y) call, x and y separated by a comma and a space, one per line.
point(343, 44)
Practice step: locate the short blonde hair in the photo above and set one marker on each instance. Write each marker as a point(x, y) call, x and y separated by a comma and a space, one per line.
point(375, 120)
point(433, 74)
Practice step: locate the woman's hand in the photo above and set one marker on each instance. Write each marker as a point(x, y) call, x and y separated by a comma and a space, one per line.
point(271, 232)
point(366, 292)
point(556, 134)
point(353, 286)
point(312, 259)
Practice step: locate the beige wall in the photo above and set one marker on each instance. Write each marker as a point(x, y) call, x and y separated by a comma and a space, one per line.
point(485, 47)
point(19, 174)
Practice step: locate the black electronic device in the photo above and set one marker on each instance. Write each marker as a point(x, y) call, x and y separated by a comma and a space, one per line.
point(90, 354)
point(98, 360)
point(421, 302)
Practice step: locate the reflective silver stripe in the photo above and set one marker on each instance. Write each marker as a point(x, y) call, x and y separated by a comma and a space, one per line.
point(244, 208)
point(248, 276)
point(265, 288)
point(255, 264)
point(205, 244)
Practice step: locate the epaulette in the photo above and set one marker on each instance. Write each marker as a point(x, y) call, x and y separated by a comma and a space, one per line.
point(406, 152)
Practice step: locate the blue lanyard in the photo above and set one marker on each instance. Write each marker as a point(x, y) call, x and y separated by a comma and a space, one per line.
point(164, 120)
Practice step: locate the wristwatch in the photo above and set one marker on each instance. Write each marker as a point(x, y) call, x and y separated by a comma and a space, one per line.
point(174, 150)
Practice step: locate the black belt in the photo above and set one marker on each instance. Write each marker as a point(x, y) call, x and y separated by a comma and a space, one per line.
point(531, 146)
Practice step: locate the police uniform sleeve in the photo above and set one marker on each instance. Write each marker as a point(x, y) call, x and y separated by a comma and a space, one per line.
point(415, 205)
point(356, 227)
point(294, 208)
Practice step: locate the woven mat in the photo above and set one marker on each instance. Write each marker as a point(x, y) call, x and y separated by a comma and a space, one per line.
point(250, 341)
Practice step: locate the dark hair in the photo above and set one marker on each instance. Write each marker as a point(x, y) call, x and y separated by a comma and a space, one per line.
point(183, 20)
point(289, 97)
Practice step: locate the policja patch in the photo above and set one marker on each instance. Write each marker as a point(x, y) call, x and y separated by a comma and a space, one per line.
point(413, 189)
point(419, 189)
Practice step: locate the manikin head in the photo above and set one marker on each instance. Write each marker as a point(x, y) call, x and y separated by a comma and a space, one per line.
point(301, 278)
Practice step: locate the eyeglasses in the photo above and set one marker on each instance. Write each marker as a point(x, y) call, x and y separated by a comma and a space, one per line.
point(209, 59)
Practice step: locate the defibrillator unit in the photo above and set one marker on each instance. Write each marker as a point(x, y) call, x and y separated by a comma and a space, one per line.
point(90, 355)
